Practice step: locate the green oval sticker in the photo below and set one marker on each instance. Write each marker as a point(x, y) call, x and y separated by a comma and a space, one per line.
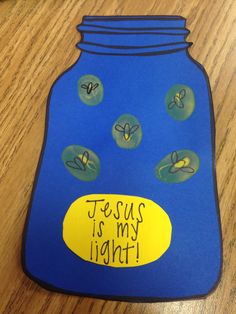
point(90, 90)
point(180, 102)
point(81, 162)
point(177, 166)
point(127, 131)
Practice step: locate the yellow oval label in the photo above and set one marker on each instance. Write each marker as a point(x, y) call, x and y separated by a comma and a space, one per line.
point(117, 230)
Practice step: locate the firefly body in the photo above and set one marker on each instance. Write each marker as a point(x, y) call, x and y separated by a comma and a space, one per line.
point(126, 130)
point(177, 100)
point(90, 87)
point(180, 164)
point(80, 162)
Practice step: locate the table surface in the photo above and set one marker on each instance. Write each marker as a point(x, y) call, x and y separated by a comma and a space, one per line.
point(37, 43)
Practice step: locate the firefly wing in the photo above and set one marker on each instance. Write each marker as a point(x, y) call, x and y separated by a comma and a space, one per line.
point(72, 164)
point(174, 157)
point(119, 128)
point(134, 128)
point(95, 86)
point(182, 93)
point(187, 169)
point(171, 104)
point(84, 86)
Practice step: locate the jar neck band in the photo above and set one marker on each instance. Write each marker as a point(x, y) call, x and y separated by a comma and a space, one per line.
point(133, 35)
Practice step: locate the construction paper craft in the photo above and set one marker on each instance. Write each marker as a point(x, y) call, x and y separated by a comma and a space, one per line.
point(125, 204)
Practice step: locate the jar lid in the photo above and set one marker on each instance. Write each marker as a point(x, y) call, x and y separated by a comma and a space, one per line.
point(133, 35)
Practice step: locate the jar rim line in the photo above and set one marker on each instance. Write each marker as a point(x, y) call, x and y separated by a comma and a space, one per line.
point(124, 30)
point(133, 17)
point(134, 47)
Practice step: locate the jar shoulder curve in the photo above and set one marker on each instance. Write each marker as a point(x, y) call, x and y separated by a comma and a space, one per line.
point(64, 77)
point(198, 67)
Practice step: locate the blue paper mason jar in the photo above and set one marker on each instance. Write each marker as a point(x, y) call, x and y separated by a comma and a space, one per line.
point(125, 203)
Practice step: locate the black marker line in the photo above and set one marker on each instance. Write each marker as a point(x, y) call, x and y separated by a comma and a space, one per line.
point(147, 54)
point(130, 33)
point(132, 28)
point(132, 47)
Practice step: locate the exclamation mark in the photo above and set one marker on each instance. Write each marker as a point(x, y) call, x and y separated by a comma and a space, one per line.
point(137, 255)
point(91, 251)
point(96, 250)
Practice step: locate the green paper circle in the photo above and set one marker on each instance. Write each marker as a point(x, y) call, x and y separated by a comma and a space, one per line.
point(127, 131)
point(90, 90)
point(81, 162)
point(180, 102)
point(178, 166)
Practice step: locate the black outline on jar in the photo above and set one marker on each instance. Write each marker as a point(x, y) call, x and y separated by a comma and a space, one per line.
point(137, 299)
